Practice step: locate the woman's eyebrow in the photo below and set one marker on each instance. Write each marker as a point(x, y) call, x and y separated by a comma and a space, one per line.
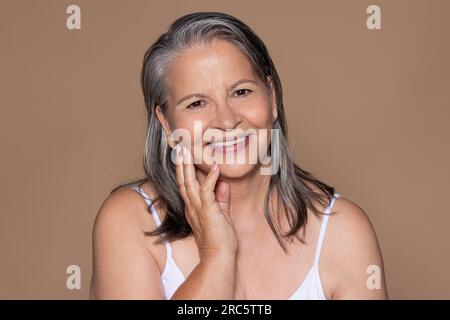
point(243, 81)
point(201, 95)
point(193, 95)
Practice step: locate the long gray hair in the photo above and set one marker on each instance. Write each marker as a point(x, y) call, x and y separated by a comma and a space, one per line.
point(293, 185)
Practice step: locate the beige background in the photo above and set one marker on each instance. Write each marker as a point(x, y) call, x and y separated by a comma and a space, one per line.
point(368, 112)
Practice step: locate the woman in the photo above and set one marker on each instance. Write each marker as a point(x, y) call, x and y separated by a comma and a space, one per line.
point(226, 230)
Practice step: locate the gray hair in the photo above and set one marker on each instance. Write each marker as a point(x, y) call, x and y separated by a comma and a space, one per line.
point(293, 185)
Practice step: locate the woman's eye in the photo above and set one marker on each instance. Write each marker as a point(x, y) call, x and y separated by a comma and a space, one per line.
point(242, 92)
point(195, 104)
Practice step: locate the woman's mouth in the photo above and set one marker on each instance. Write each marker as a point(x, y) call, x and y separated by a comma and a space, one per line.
point(230, 146)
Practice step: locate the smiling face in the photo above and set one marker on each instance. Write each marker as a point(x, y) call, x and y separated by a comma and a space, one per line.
point(215, 86)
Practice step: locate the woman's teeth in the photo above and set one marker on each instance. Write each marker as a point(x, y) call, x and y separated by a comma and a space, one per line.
point(227, 143)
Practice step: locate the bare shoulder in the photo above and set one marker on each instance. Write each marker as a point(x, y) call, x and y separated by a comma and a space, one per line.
point(124, 210)
point(351, 253)
point(350, 219)
point(123, 265)
point(124, 214)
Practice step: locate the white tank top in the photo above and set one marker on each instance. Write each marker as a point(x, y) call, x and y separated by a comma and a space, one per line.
point(309, 289)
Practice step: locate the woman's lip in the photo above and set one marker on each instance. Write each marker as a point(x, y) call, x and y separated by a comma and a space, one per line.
point(236, 138)
point(233, 148)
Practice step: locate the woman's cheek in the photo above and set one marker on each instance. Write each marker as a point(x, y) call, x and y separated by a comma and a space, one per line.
point(260, 113)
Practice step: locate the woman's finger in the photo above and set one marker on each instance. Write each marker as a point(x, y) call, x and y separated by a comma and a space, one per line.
point(223, 193)
point(207, 194)
point(180, 174)
point(190, 181)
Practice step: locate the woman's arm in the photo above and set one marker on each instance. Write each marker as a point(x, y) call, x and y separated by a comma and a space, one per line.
point(358, 266)
point(124, 267)
point(207, 212)
point(213, 278)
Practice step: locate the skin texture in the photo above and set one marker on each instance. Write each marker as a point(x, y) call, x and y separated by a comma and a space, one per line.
point(233, 253)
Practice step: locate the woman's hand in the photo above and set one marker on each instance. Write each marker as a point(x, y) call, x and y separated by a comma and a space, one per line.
point(207, 208)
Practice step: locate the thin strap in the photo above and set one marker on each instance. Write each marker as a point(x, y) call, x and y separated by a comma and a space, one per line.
point(154, 214)
point(323, 228)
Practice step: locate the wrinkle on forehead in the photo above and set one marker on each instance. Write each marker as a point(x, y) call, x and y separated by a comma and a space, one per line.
point(206, 66)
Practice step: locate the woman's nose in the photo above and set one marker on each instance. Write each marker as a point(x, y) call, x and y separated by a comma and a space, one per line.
point(224, 117)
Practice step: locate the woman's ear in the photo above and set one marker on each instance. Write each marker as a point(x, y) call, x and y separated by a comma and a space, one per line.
point(273, 98)
point(165, 125)
point(275, 113)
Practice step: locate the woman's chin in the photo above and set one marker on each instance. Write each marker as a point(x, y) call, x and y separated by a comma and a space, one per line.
point(236, 171)
point(230, 171)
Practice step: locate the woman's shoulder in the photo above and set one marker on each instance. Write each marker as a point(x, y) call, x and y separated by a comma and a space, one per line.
point(347, 216)
point(350, 219)
point(125, 262)
point(125, 210)
point(351, 247)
